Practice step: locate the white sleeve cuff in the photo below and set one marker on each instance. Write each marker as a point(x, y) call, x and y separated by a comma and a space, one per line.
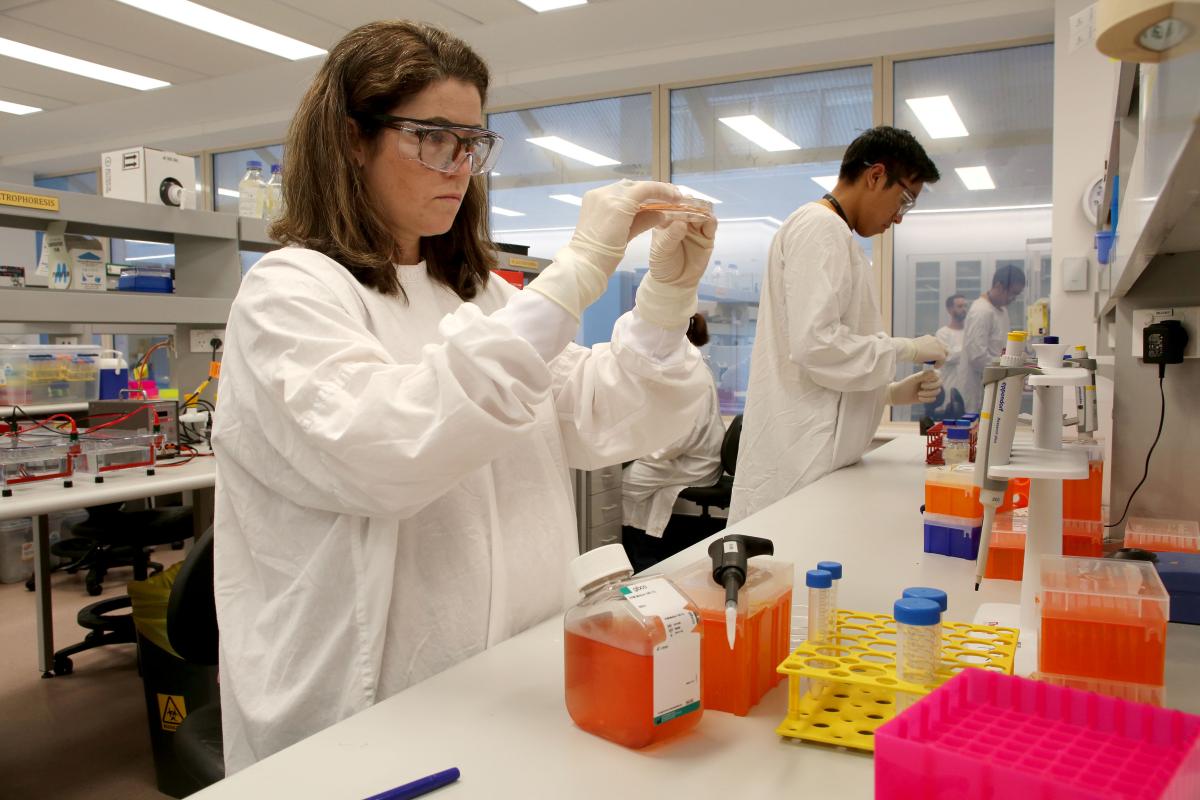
point(540, 321)
point(650, 340)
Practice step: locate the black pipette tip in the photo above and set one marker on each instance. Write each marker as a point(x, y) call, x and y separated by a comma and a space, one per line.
point(977, 586)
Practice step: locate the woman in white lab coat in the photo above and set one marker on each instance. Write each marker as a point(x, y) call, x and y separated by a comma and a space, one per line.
point(651, 485)
point(396, 424)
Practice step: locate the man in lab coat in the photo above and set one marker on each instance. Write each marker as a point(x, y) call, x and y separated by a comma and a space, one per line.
point(822, 366)
point(951, 335)
point(985, 333)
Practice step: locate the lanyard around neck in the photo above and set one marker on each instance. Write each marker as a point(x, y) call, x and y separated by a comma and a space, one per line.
point(837, 207)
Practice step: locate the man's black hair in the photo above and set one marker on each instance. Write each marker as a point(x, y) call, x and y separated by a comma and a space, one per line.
point(1008, 276)
point(895, 148)
point(950, 300)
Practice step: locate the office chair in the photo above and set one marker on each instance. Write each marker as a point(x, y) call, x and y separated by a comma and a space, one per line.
point(117, 538)
point(110, 537)
point(192, 630)
point(718, 495)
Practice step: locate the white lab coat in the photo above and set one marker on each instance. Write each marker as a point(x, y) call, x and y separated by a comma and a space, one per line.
point(651, 485)
point(952, 340)
point(393, 490)
point(985, 333)
point(820, 366)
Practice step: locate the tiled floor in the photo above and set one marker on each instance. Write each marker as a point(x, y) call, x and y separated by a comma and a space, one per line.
point(82, 735)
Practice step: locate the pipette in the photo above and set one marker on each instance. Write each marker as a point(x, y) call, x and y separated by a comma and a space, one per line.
point(997, 426)
point(729, 555)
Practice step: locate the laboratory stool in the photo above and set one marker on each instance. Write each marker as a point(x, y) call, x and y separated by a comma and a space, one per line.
point(120, 538)
point(192, 631)
point(106, 626)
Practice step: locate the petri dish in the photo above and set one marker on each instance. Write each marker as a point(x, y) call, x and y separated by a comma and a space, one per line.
point(690, 210)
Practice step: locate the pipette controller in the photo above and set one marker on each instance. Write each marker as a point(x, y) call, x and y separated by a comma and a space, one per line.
point(729, 555)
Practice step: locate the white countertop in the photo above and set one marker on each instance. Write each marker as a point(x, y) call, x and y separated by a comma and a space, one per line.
point(501, 719)
point(42, 497)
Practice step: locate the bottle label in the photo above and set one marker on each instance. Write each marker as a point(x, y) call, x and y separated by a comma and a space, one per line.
point(676, 660)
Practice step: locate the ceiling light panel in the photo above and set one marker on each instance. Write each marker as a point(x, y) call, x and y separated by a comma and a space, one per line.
point(17, 108)
point(551, 5)
point(976, 179)
point(760, 133)
point(205, 19)
point(938, 116)
point(826, 182)
point(569, 199)
point(77, 66)
point(506, 212)
point(690, 192)
point(571, 150)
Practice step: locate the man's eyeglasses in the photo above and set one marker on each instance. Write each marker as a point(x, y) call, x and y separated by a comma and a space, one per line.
point(445, 147)
point(908, 197)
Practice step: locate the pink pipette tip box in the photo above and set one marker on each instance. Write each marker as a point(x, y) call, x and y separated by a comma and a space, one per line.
point(987, 735)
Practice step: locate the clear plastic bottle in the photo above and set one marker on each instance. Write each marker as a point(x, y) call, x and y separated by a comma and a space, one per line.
point(632, 653)
point(918, 643)
point(252, 191)
point(273, 205)
point(957, 449)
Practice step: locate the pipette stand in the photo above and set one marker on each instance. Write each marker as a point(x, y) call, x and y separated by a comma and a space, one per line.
point(1042, 460)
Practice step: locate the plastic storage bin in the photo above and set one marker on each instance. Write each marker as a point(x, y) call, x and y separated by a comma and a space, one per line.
point(16, 550)
point(1103, 618)
point(735, 680)
point(987, 735)
point(146, 278)
point(45, 373)
point(1163, 535)
point(953, 536)
point(1180, 573)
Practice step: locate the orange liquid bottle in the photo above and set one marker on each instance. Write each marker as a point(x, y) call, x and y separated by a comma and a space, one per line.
point(632, 653)
point(736, 678)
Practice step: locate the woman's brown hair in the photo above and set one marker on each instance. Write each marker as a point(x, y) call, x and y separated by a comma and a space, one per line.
point(327, 206)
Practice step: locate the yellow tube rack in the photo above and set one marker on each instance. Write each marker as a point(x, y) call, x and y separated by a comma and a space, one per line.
point(839, 692)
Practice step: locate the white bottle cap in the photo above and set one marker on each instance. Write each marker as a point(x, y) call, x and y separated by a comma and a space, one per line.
point(608, 561)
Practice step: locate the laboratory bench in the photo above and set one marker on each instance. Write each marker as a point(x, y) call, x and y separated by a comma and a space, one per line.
point(39, 499)
point(501, 719)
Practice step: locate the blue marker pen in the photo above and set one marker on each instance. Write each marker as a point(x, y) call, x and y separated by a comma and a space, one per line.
point(420, 786)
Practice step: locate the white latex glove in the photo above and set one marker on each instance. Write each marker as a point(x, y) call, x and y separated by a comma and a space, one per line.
point(922, 349)
point(608, 219)
point(920, 387)
point(679, 255)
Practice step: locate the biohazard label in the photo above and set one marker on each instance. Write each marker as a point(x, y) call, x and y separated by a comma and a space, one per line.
point(171, 711)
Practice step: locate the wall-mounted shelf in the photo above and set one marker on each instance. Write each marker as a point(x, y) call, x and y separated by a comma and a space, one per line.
point(252, 235)
point(103, 216)
point(50, 305)
point(1159, 212)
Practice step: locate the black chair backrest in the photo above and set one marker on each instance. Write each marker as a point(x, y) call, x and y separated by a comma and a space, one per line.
point(191, 609)
point(729, 447)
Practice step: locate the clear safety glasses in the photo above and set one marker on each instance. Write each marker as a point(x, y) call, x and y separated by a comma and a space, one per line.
point(907, 198)
point(445, 147)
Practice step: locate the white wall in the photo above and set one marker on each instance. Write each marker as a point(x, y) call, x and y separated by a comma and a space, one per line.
point(1084, 97)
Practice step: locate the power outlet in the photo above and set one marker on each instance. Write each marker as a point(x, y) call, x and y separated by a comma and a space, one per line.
point(1189, 316)
point(200, 339)
point(64, 339)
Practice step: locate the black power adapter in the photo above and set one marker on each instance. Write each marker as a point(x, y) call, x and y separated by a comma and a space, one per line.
point(1164, 342)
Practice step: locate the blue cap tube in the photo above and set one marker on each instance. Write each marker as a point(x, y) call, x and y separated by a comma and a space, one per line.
point(927, 593)
point(834, 568)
